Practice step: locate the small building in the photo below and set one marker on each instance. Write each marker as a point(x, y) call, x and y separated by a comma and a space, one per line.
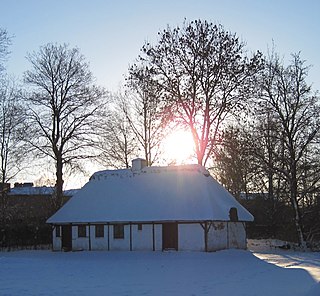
point(25, 209)
point(151, 208)
point(28, 201)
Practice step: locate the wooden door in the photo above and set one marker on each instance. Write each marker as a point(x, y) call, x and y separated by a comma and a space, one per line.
point(170, 236)
point(66, 238)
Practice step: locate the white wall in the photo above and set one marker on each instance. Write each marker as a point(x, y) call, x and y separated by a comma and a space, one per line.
point(237, 235)
point(158, 237)
point(99, 243)
point(80, 243)
point(218, 236)
point(227, 235)
point(120, 244)
point(56, 241)
point(142, 240)
point(191, 237)
point(221, 235)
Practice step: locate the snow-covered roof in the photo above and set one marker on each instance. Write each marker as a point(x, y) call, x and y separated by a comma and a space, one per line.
point(173, 193)
point(41, 190)
point(30, 190)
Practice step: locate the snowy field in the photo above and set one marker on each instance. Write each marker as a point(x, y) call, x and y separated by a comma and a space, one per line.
point(261, 271)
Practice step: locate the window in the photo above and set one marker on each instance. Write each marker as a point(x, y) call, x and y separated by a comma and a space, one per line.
point(140, 226)
point(99, 230)
point(82, 231)
point(118, 231)
point(58, 231)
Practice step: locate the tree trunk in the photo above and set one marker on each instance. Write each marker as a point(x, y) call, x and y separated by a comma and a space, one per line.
point(294, 202)
point(4, 200)
point(58, 198)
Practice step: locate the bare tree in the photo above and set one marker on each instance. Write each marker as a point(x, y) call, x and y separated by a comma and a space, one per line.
point(11, 119)
point(295, 109)
point(234, 163)
point(64, 107)
point(118, 145)
point(267, 153)
point(143, 109)
point(12, 152)
point(204, 75)
point(5, 41)
point(12, 122)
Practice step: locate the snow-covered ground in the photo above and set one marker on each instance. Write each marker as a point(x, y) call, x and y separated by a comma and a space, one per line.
point(261, 271)
point(268, 251)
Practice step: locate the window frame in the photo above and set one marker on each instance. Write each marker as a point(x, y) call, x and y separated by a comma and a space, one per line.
point(82, 230)
point(139, 226)
point(99, 231)
point(118, 231)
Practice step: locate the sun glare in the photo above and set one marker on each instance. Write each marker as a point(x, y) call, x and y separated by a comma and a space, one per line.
point(179, 147)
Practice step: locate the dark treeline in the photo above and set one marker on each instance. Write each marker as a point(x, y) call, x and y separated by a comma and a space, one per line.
point(271, 162)
point(254, 120)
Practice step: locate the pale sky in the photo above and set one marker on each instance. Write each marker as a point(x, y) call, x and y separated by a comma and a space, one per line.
point(111, 33)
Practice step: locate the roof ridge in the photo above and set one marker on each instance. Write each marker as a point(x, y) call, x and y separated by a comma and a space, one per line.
point(122, 173)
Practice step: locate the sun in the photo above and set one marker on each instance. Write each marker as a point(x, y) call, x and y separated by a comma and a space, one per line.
point(179, 147)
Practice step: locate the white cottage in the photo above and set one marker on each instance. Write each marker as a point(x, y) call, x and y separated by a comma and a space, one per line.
point(151, 208)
